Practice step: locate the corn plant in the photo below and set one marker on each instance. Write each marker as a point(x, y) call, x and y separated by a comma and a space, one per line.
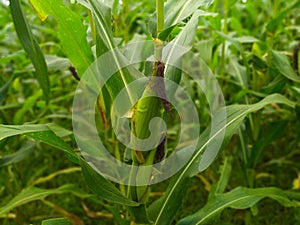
point(134, 125)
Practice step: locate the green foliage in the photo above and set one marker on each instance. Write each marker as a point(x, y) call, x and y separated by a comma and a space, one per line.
point(249, 46)
point(71, 32)
point(238, 198)
point(30, 45)
point(56, 221)
point(103, 188)
point(32, 193)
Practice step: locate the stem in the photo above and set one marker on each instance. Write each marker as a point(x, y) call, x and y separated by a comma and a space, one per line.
point(158, 44)
point(92, 24)
point(160, 16)
point(126, 27)
point(158, 47)
point(225, 30)
point(146, 109)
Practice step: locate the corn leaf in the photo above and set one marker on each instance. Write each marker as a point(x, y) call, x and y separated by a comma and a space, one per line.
point(282, 64)
point(71, 31)
point(238, 198)
point(122, 77)
point(206, 153)
point(176, 11)
point(33, 193)
point(22, 153)
point(103, 187)
point(275, 22)
point(5, 87)
point(31, 46)
point(57, 221)
point(39, 132)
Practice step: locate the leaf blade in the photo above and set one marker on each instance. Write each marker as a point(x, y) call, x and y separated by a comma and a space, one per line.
point(30, 194)
point(31, 46)
point(282, 64)
point(238, 198)
point(204, 157)
point(102, 187)
point(57, 221)
point(71, 32)
point(39, 132)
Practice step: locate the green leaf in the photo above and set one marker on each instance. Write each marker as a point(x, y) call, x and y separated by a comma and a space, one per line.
point(205, 49)
point(102, 187)
point(55, 63)
point(57, 221)
point(139, 214)
point(29, 103)
point(32, 194)
point(238, 71)
point(71, 32)
point(225, 174)
point(102, 20)
point(235, 116)
point(220, 187)
point(59, 131)
point(174, 202)
point(238, 198)
point(39, 132)
point(185, 38)
point(207, 151)
point(5, 87)
point(50, 138)
point(22, 153)
point(12, 130)
point(272, 25)
point(118, 218)
point(137, 52)
point(175, 50)
point(276, 85)
point(176, 11)
point(105, 43)
point(30, 45)
point(237, 41)
point(282, 64)
point(269, 134)
point(159, 211)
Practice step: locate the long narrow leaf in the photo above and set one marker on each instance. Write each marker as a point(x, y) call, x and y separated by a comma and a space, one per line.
point(179, 46)
point(176, 11)
point(71, 31)
point(5, 87)
point(22, 153)
point(39, 132)
point(12, 130)
point(30, 45)
point(57, 221)
point(33, 193)
point(282, 64)
point(50, 138)
point(239, 198)
point(102, 18)
point(236, 114)
point(275, 22)
point(174, 204)
point(103, 187)
point(179, 10)
point(204, 156)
